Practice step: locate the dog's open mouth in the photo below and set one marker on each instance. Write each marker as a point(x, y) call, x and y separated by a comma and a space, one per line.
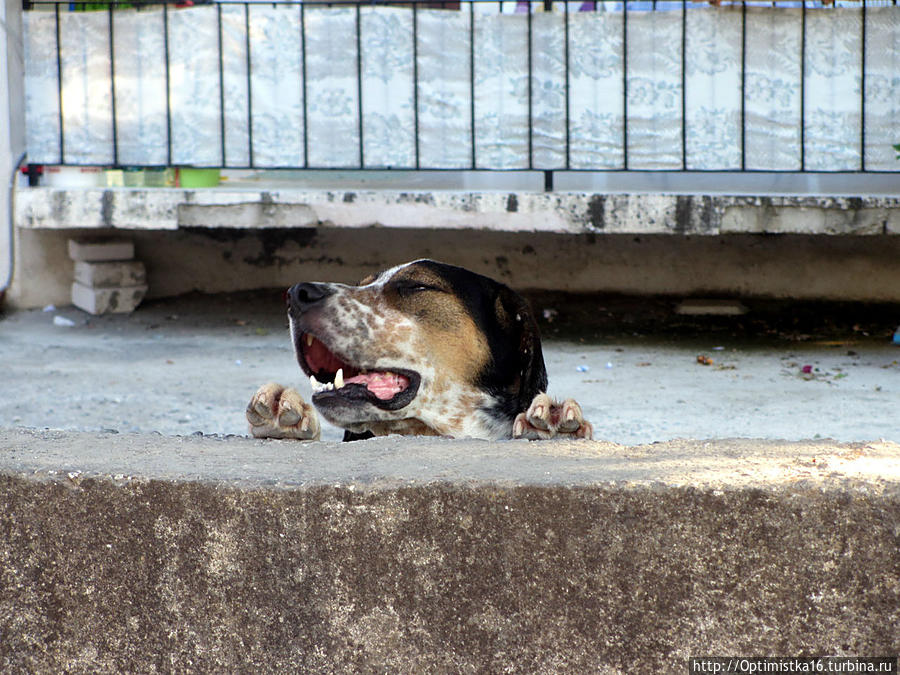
point(331, 377)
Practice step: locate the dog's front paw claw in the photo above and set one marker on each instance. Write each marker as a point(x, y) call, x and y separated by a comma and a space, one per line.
point(277, 412)
point(545, 418)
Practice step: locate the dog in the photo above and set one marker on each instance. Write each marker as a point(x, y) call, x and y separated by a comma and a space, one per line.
point(424, 348)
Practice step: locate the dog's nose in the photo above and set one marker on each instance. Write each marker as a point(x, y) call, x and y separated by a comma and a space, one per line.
point(302, 297)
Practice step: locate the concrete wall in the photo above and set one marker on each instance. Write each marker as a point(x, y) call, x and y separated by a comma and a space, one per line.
point(211, 260)
point(227, 239)
point(418, 555)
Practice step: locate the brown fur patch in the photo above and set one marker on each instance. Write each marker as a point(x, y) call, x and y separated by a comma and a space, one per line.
point(448, 334)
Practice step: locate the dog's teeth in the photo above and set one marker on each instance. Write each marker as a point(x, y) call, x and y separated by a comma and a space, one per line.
point(317, 386)
point(339, 378)
point(309, 340)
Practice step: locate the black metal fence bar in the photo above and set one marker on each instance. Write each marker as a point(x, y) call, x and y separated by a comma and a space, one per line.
point(359, 88)
point(112, 86)
point(249, 64)
point(303, 84)
point(862, 89)
point(743, 86)
point(529, 163)
point(168, 84)
point(59, 91)
point(566, 68)
point(221, 84)
point(530, 94)
point(415, 64)
point(683, 85)
point(803, 86)
point(472, 78)
point(625, 85)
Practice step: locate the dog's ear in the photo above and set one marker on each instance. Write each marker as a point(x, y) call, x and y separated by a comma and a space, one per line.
point(520, 350)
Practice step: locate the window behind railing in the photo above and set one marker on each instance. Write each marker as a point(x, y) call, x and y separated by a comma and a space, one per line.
point(547, 86)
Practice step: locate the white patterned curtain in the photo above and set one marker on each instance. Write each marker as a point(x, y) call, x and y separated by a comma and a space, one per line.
point(344, 87)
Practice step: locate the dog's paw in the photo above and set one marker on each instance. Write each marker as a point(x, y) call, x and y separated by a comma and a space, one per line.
point(546, 418)
point(277, 412)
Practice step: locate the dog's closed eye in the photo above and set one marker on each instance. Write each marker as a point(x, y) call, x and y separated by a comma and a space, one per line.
point(409, 287)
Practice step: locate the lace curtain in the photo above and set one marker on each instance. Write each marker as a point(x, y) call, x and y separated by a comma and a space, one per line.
point(221, 116)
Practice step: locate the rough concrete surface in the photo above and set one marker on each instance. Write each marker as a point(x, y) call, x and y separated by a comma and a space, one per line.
point(243, 206)
point(396, 555)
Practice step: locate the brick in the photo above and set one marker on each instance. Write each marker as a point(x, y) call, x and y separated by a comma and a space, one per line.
point(98, 250)
point(111, 273)
point(118, 300)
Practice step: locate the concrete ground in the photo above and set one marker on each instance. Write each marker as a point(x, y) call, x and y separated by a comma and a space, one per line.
point(138, 552)
point(190, 364)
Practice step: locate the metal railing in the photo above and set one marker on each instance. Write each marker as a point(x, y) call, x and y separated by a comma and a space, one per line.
point(566, 7)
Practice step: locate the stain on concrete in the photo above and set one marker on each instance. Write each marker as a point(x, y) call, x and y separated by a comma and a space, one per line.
point(271, 241)
point(710, 220)
point(596, 212)
point(59, 206)
point(683, 210)
point(415, 198)
point(107, 208)
point(267, 204)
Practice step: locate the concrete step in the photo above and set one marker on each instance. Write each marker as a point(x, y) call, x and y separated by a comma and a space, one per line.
point(139, 552)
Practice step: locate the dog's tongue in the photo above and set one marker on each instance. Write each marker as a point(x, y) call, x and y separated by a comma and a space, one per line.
point(384, 385)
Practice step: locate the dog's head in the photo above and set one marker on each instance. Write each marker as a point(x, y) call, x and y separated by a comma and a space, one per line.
point(424, 341)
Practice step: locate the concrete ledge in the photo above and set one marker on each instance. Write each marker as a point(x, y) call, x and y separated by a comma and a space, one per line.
point(558, 212)
point(150, 553)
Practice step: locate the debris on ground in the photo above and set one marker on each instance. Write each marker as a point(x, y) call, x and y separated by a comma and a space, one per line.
point(705, 307)
point(704, 360)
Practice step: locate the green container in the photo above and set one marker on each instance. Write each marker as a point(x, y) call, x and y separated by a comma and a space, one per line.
point(133, 178)
point(159, 177)
point(198, 178)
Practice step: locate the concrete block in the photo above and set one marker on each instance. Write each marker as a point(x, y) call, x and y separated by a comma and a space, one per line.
point(111, 274)
point(97, 250)
point(139, 553)
point(107, 300)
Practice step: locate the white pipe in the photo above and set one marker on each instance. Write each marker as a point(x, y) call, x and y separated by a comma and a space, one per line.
point(12, 224)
